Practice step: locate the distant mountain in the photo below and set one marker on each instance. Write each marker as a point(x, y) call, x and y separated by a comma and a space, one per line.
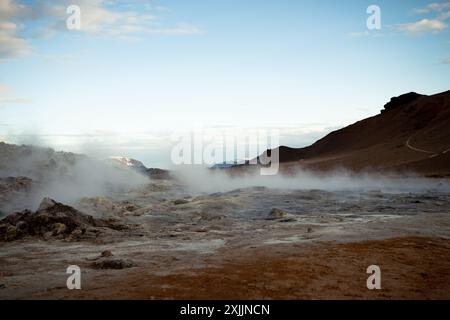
point(138, 166)
point(412, 133)
point(225, 165)
point(128, 163)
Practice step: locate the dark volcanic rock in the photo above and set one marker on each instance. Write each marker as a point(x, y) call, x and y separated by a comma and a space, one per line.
point(178, 202)
point(14, 192)
point(158, 174)
point(401, 101)
point(52, 219)
point(14, 183)
point(113, 264)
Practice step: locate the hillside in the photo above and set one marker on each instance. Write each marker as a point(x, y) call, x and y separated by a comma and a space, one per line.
point(412, 133)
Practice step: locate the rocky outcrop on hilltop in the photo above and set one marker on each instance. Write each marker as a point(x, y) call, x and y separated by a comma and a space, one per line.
point(400, 101)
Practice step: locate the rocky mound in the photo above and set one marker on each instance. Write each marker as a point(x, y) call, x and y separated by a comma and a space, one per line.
point(35, 162)
point(51, 220)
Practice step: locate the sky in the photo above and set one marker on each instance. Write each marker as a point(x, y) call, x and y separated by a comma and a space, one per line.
point(136, 71)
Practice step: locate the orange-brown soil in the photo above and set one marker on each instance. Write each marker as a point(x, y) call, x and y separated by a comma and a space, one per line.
point(412, 268)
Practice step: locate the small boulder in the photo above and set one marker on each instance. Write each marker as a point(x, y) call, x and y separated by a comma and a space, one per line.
point(276, 214)
point(46, 204)
point(106, 254)
point(180, 202)
point(22, 226)
point(59, 229)
point(12, 233)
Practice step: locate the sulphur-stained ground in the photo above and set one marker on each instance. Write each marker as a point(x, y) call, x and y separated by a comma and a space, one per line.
point(411, 268)
point(165, 241)
point(408, 265)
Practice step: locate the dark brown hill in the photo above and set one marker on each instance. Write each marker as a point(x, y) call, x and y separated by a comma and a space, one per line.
point(412, 133)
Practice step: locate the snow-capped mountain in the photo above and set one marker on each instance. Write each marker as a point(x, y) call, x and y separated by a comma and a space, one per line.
point(129, 163)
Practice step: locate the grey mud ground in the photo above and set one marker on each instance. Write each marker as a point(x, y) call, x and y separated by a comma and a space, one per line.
point(230, 245)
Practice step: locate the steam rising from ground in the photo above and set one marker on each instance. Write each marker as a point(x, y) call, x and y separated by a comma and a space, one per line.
point(210, 181)
point(65, 177)
point(89, 178)
point(68, 177)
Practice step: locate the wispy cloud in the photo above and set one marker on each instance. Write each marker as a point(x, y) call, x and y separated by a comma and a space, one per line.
point(98, 18)
point(6, 101)
point(59, 58)
point(422, 26)
point(3, 88)
point(6, 97)
point(435, 21)
point(9, 8)
point(359, 34)
point(179, 29)
point(434, 7)
point(364, 34)
point(438, 13)
point(12, 44)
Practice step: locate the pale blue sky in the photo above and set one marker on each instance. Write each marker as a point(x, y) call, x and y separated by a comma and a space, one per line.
point(144, 68)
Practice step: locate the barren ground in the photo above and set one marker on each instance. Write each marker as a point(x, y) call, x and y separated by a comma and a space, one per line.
point(233, 245)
